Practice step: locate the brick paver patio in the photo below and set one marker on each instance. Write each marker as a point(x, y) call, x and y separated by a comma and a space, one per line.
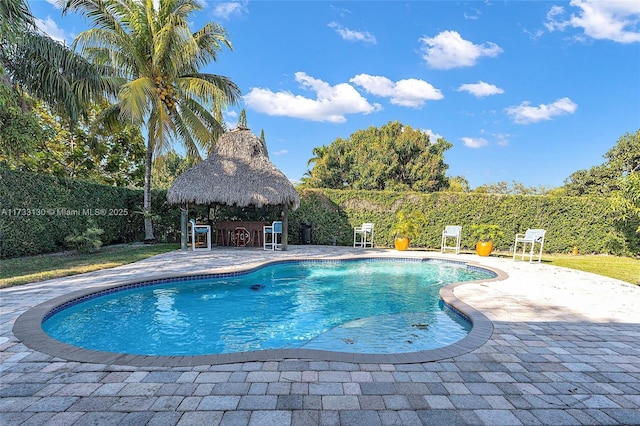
point(565, 350)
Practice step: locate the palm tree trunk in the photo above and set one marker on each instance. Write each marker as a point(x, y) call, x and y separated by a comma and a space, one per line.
point(146, 207)
point(285, 226)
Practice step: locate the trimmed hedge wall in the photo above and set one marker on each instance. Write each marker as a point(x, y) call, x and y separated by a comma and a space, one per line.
point(37, 212)
point(585, 222)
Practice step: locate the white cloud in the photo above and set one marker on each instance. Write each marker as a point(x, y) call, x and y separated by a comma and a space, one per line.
point(502, 139)
point(50, 28)
point(410, 92)
point(55, 3)
point(525, 113)
point(230, 118)
point(281, 152)
point(342, 12)
point(475, 142)
point(225, 10)
point(449, 50)
point(480, 89)
point(604, 20)
point(433, 136)
point(331, 103)
point(351, 35)
point(472, 16)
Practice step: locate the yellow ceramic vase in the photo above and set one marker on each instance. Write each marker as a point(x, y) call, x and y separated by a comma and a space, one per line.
point(483, 248)
point(401, 243)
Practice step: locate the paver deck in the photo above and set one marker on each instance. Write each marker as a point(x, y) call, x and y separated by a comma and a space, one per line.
point(565, 350)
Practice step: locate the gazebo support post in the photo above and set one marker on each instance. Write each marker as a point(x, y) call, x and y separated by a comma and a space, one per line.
point(183, 227)
point(285, 226)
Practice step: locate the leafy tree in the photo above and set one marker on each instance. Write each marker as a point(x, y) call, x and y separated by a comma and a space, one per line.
point(117, 150)
point(36, 69)
point(493, 188)
point(20, 129)
point(599, 180)
point(458, 184)
point(392, 157)
point(625, 155)
point(604, 179)
point(242, 120)
point(626, 201)
point(514, 188)
point(88, 151)
point(155, 58)
point(167, 167)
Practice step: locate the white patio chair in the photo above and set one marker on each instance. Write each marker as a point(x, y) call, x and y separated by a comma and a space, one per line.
point(273, 231)
point(198, 231)
point(363, 235)
point(451, 231)
point(532, 236)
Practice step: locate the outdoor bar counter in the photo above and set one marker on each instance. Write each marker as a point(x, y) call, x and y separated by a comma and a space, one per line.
point(239, 233)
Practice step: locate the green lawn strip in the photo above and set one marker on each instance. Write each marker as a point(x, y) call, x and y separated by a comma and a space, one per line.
point(623, 268)
point(44, 267)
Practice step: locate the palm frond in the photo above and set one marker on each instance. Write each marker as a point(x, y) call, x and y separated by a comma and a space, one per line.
point(210, 39)
point(184, 132)
point(199, 127)
point(209, 87)
point(135, 99)
point(15, 17)
point(54, 73)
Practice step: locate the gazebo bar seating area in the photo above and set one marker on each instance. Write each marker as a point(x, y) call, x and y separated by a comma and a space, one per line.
point(271, 235)
point(238, 173)
point(200, 236)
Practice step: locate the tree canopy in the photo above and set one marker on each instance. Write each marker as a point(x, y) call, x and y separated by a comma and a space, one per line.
point(514, 187)
point(40, 141)
point(622, 160)
point(155, 60)
point(33, 63)
point(392, 157)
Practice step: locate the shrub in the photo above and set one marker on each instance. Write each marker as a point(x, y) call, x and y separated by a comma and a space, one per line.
point(87, 241)
point(485, 232)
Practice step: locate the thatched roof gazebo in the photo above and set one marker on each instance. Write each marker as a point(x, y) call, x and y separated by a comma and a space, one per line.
point(238, 172)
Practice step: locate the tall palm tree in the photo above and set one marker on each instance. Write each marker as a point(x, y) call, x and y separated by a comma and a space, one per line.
point(15, 16)
point(150, 48)
point(32, 62)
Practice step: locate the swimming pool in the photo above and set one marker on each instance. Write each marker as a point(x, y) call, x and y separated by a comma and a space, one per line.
point(360, 306)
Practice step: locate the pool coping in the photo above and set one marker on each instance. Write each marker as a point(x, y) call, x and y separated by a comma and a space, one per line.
point(28, 328)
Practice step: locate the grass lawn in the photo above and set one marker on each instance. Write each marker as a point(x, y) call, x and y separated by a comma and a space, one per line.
point(30, 269)
point(47, 266)
point(623, 268)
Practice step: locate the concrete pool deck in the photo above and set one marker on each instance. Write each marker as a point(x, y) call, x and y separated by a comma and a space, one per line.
point(565, 349)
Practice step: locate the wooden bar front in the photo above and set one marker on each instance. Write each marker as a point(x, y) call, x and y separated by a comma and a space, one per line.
point(239, 234)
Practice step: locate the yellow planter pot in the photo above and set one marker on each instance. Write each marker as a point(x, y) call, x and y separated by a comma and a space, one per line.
point(401, 243)
point(483, 248)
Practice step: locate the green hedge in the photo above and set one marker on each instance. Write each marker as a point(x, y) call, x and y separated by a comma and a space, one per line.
point(586, 222)
point(37, 212)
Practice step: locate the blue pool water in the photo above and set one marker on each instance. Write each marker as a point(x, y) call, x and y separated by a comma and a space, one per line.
point(363, 306)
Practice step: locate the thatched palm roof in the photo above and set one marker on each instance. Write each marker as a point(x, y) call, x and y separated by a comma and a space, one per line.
point(238, 172)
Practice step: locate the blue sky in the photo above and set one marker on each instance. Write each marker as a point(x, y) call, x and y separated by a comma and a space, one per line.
point(526, 91)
